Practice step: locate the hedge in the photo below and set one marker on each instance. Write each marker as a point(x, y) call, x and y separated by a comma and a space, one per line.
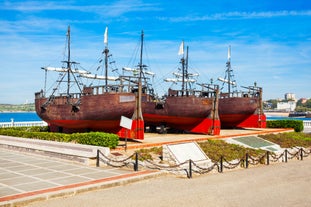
point(90, 138)
point(296, 124)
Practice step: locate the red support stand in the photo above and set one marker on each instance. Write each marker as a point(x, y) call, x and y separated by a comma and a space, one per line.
point(136, 132)
point(254, 121)
point(207, 126)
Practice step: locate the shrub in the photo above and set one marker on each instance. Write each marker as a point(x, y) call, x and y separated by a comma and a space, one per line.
point(91, 138)
point(296, 124)
point(97, 139)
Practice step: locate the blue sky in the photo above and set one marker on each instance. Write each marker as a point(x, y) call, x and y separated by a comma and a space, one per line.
point(270, 40)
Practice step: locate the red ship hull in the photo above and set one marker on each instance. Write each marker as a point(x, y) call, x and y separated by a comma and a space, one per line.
point(187, 113)
point(96, 112)
point(102, 112)
point(236, 112)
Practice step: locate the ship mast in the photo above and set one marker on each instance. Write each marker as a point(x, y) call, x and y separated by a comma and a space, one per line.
point(182, 60)
point(68, 65)
point(69, 69)
point(138, 112)
point(229, 69)
point(229, 75)
point(106, 51)
point(186, 70)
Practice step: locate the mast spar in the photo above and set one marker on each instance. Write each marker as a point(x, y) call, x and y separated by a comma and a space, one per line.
point(68, 65)
point(229, 69)
point(106, 51)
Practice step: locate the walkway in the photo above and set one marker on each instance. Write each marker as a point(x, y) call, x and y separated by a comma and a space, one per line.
point(25, 177)
point(282, 184)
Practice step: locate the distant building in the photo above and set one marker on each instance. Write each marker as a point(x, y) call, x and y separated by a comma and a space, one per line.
point(286, 106)
point(303, 100)
point(290, 97)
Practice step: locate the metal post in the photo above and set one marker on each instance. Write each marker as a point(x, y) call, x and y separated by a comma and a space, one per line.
point(285, 155)
point(97, 158)
point(190, 169)
point(268, 158)
point(246, 160)
point(301, 154)
point(221, 164)
point(136, 162)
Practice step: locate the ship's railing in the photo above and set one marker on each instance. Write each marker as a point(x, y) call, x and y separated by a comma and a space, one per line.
point(192, 92)
point(40, 94)
point(239, 94)
point(22, 124)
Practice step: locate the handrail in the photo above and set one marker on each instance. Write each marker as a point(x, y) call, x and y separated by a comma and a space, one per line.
point(22, 124)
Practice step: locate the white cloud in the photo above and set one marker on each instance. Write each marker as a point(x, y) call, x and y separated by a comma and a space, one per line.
point(114, 9)
point(237, 15)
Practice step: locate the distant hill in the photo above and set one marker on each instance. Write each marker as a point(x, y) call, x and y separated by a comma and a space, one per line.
point(17, 107)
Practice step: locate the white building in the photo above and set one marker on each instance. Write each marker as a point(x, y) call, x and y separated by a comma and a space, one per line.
point(290, 97)
point(286, 106)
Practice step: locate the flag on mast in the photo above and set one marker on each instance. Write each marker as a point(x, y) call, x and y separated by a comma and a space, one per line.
point(229, 52)
point(106, 36)
point(181, 48)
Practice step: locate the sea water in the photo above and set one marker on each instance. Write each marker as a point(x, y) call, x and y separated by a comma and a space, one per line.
point(271, 118)
point(19, 116)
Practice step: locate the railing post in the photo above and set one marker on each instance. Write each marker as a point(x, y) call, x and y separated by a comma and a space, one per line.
point(136, 162)
point(246, 160)
point(221, 164)
point(285, 155)
point(190, 169)
point(97, 158)
point(301, 154)
point(268, 162)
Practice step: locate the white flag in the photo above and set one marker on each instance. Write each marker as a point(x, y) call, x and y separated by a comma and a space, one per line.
point(181, 48)
point(229, 52)
point(106, 36)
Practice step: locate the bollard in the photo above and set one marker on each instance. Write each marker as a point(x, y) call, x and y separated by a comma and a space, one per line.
point(246, 160)
point(285, 155)
point(136, 162)
point(301, 154)
point(268, 158)
point(97, 158)
point(221, 164)
point(190, 169)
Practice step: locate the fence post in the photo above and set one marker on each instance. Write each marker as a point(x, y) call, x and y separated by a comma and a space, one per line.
point(285, 155)
point(246, 160)
point(268, 158)
point(136, 162)
point(97, 158)
point(221, 164)
point(190, 169)
point(301, 154)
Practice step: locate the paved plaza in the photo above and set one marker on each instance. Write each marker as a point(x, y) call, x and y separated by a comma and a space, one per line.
point(25, 175)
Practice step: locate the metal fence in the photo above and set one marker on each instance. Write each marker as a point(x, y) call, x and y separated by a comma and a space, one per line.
point(189, 167)
point(22, 124)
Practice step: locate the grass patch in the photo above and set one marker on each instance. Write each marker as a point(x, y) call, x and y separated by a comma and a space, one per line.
point(149, 153)
point(214, 149)
point(289, 139)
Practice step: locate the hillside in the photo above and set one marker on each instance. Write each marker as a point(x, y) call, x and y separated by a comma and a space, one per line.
point(17, 107)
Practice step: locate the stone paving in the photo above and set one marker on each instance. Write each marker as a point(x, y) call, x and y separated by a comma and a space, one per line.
point(23, 175)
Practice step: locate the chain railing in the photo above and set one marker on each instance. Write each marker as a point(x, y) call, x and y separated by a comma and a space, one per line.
point(189, 166)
